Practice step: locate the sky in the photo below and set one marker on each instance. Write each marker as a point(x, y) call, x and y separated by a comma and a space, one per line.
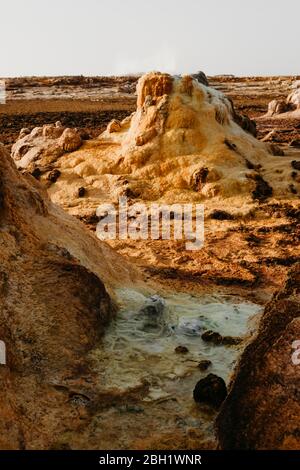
point(108, 37)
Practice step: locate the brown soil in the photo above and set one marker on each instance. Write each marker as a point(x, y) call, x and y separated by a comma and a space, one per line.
point(90, 117)
point(89, 103)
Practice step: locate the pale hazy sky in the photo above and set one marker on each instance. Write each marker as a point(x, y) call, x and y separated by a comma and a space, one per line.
point(96, 37)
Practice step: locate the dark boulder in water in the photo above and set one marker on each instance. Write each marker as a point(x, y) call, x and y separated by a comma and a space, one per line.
point(211, 390)
point(216, 338)
point(181, 350)
point(212, 337)
point(204, 365)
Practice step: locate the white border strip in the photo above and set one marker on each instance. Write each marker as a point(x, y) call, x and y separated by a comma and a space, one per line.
point(2, 92)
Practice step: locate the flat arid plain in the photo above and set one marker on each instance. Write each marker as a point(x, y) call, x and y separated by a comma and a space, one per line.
point(142, 343)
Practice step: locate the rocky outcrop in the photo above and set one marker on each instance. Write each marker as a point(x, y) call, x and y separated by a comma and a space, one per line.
point(211, 390)
point(53, 311)
point(276, 107)
point(262, 409)
point(201, 78)
point(292, 103)
point(247, 124)
point(51, 141)
point(293, 100)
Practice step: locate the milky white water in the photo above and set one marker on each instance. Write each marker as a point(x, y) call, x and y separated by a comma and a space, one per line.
point(136, 353)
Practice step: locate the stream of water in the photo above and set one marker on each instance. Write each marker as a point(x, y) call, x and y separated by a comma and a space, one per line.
point(136, 351)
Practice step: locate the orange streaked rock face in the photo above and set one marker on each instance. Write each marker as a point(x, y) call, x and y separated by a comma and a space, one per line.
point(53, 310)
point(154, 85)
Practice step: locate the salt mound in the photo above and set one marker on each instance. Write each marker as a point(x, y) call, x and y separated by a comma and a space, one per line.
point(183, 136)
point(182, 142)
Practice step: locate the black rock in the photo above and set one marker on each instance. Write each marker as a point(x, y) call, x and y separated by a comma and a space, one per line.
point(212, 337)
point(263, 190)
point(296, 165)
point(199, 178)
point(275, 150)
point(295, 143)
point(181, 350)
point(215, 338)
point(204, 365)
point(249, 125)
point(85, 135)
point(230, 145)
point(81, 192)
point(91, 219)
point(211, 390)
point(53, 175)
point(219, 214)
point(36, 173)
point(231, 340)
point(201, 78)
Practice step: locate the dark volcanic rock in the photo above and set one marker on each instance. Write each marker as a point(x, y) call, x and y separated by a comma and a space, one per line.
point(249, 125)
point(212, 337)
point(296, 165)
point(199, 178)
point(54, 175)
point(262, 409)
point(181, 350)
point(201, 78)
point(275, 150)
point(263, 190)
point(36, 173)
point(221, 215)
point(210, 390)
point(292, 189)
point(231, 340)
point(215, 338)
point(81, 192)
point(204, 365)
point(295, 143)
